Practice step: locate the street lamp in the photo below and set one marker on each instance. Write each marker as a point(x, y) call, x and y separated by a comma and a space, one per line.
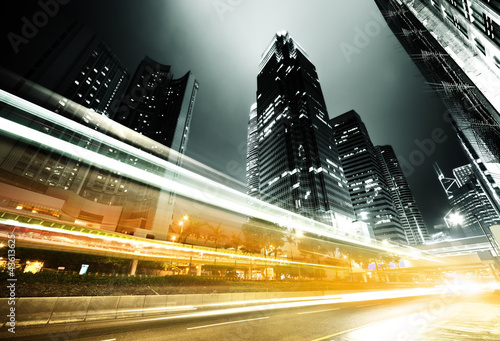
point(455, 219)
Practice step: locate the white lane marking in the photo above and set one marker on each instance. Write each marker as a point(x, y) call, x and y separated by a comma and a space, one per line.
point(317, 311)
point(109, 340)
point(219, 324)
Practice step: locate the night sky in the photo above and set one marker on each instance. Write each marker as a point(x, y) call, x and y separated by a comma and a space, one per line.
point(360, 64)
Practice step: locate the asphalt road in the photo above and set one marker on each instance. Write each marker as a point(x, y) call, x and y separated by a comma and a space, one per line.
point(389, 319)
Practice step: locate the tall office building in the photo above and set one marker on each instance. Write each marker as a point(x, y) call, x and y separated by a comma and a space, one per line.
point(467, 199)
point(63, 56)
point(368, 188)
point(455, 44)
point(409, 214)
point(252, 170)
point(292, 159)
point(64, 66)
point(158, 106)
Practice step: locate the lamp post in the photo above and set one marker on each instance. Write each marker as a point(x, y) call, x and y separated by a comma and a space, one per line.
point(453, 219)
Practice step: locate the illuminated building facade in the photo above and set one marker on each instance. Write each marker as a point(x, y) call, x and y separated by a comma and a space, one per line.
point(468, 199)
point(292, 160)
point(252, 170)
point(367, 184)
point(67, 69)
point(158, 106)
point(455, 44)
point(409, 214)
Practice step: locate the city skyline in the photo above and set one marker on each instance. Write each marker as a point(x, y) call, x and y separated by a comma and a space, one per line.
point(309, 190)
point(346, 68)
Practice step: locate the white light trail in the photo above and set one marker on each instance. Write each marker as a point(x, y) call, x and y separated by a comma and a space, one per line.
point(188, 184)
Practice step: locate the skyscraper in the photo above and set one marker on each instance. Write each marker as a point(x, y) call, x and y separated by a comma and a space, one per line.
point(66, 57)
point(467, 199)
point(252, 170)
point(292, 160)
point(158, 106)
point(367, 185)
point(455, 44)
point(409, 214)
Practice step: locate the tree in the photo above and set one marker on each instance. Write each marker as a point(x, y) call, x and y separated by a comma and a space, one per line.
point(275, 250)
point(312, 247)
point(194, 229)
point(182, 234)
point(216, 233)
point(236, 242)
point(117, 264)
point(291, 239)
point(153, 265)
point(260, 234)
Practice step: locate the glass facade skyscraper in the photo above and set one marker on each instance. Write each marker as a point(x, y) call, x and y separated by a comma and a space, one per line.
point(455, 44)
point(468, 199)
point(292, 160)
point(409, 214)
point(367, 184)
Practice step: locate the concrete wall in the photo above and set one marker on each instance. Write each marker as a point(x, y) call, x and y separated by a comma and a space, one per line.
point(43, 310)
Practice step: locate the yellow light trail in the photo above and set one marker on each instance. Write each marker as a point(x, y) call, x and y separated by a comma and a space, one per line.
point(137, 242)
point(187, 183)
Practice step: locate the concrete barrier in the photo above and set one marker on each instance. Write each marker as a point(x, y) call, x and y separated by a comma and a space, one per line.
point(43, 310)
point(129, 306)
point(34, 310)
point(70, 309)
point(155, 304)
point(102, 307)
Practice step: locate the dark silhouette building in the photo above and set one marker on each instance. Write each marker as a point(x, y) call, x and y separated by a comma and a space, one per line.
point(158, 106)
point(368, 188)
point(63, 56)
point(409, 214)
point(455, 44)
point(292, 161)
point(468, 200)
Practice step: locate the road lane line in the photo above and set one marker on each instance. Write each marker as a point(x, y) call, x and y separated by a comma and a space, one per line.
point(317, 311)
point(109, 340)
point(219, 324)
point(347, 331)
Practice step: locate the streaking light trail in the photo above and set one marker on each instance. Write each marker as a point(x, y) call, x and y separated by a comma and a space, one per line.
point(175, 178)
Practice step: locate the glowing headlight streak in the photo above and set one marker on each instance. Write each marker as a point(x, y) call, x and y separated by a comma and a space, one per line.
point(284, 303)
point(167, 246)
point(232, 197)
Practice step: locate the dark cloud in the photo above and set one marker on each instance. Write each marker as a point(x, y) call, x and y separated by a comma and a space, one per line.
point(360, 64)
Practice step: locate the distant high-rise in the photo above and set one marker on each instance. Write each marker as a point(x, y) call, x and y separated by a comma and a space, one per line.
point(66, 57)
point(253, 154)
point(409, 214)
point(368, 188)
point(158, 106)
point(292, 160)
point(468, 199)
point(456, 46)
